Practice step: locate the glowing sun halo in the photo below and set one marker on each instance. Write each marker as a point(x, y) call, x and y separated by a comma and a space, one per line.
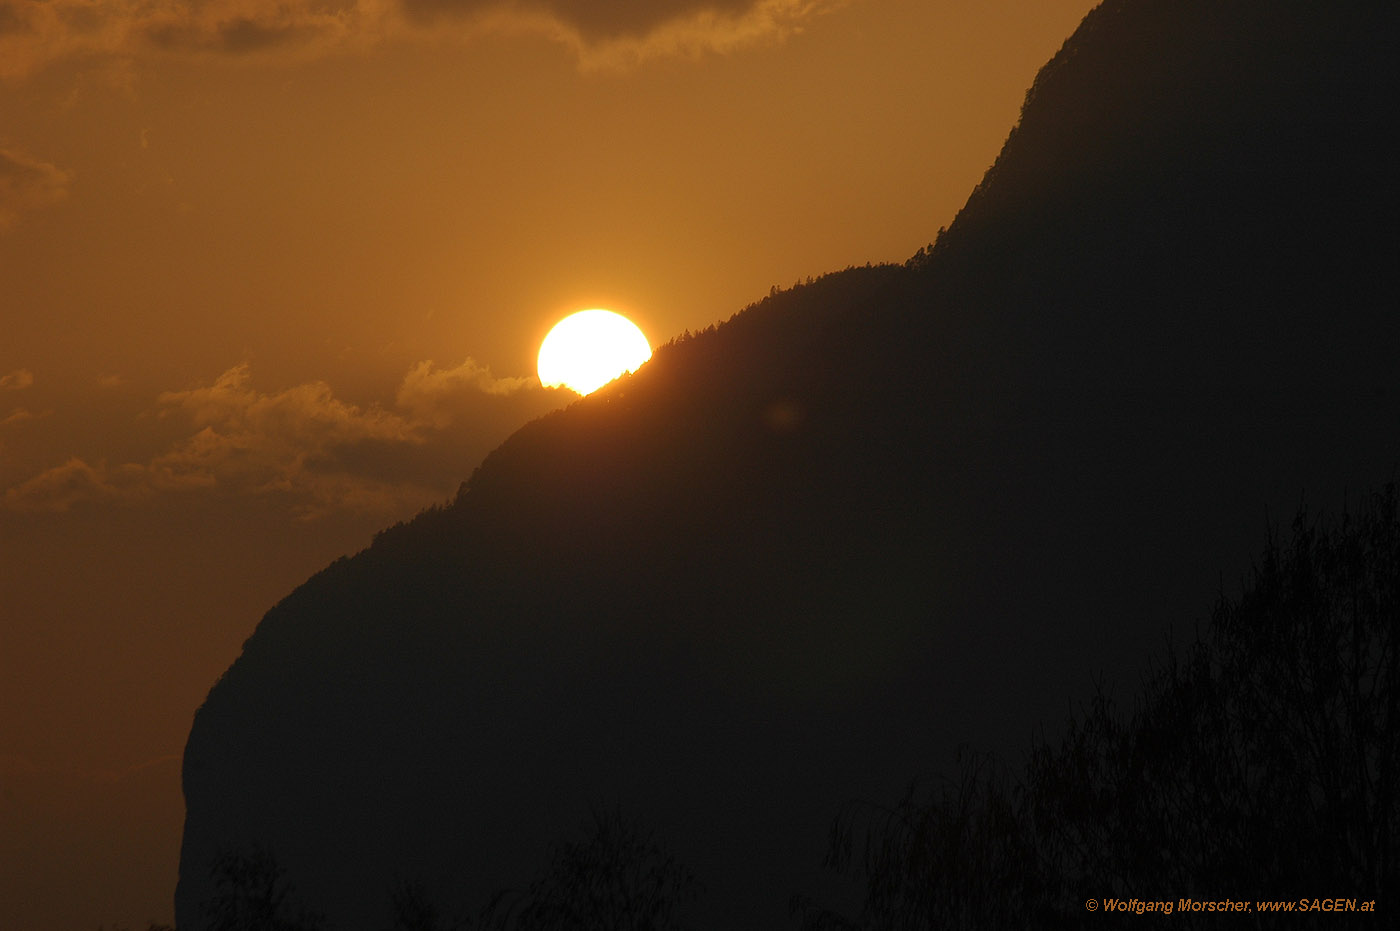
point(588, 349)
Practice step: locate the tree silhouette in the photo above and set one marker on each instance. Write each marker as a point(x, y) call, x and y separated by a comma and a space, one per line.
point(950, 854)
point(618, 879)
point(252, 893)
point(1259, 763)
point(414, 911)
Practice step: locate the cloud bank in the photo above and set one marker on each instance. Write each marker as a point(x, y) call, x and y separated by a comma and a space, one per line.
point(35, 33)
point(308, 448)
point(26, 183)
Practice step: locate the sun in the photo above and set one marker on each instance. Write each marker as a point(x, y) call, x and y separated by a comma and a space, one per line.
point(588, 349)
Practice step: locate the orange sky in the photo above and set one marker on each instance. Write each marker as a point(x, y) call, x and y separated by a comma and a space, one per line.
point(273, 276)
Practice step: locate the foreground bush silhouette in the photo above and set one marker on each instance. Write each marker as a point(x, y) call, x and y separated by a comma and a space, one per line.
point(617, 879)
point(252, 893)
point(1258, 763)
point(414, 910)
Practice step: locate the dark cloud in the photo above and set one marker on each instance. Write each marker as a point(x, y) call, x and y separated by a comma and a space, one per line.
point(249, 35)
point(34, 33)
point(12, 18)
point(242, 35)
point(84, 18)
point(593, 20)
point(54, 30)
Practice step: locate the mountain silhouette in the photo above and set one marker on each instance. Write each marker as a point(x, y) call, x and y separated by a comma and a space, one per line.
point(800, 557)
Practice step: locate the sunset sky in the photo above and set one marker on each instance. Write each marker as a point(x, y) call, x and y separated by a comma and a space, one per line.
point(274, 273)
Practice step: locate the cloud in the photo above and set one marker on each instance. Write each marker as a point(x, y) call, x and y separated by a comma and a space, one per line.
point(16, 380)
point(19, 415)
point(628, 32)
point(285, 443)
point(34, 33)
point(301, 415)
point(634, 28)
point(591, 19)
point(436, 396)
point(75, 481)
point(308, 448)
point(27, 183)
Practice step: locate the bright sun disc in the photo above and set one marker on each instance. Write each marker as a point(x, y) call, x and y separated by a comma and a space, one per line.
point(588, 349)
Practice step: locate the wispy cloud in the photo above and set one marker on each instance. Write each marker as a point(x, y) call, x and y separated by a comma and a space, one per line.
point(27, 183)
point(75, 481)
point(307, 447)
point(287, 443)
point(16, 380)
point(19, 415)
point(34, 33)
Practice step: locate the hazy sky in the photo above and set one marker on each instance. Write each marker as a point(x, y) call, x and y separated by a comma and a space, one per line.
point(273, 274)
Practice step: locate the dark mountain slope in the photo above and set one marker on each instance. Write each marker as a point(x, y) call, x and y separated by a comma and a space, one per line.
point(799, 557)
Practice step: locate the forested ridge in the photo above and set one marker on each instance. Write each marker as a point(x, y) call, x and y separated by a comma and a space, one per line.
point(800, 558)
